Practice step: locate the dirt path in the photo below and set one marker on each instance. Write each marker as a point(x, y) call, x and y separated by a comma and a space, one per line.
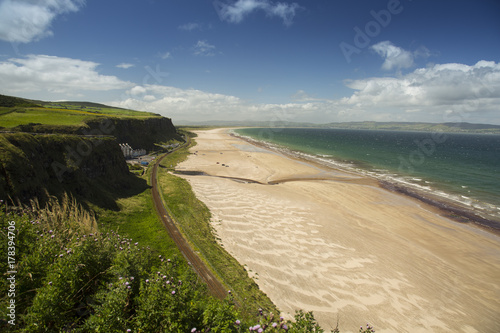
point(214, 285)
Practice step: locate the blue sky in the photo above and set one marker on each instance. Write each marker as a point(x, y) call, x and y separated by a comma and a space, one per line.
point(293, 60)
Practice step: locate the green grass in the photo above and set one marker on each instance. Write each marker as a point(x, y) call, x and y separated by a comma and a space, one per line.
point(193, 217)
point(137, 219)
point(22, 116)
point(60, 116)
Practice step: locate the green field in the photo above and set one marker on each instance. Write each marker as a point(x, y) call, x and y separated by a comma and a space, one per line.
point(15, 112)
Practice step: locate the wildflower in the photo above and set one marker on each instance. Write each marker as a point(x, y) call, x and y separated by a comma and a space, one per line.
point(173, 292)
point(128, 287)
point(129, 330)
point(193, 330)
point(136, 244)
point(147, 281)
point(61, 255)
point(50, 283)
point(274, 325)
point(284, 327)
point(260, 330)
point(52, 236)
point(238, 322)
point(132, 278)
point(126, 283)
point(50, 231)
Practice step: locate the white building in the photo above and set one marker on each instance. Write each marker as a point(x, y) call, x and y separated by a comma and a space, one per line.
point(128, 152)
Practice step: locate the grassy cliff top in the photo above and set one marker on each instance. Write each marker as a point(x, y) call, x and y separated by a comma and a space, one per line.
point(18, 111)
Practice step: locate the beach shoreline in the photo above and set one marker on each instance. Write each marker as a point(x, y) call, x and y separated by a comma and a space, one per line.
point(342, 246)
point(446, 208)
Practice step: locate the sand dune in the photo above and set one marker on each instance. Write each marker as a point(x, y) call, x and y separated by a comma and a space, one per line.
point(346, 250)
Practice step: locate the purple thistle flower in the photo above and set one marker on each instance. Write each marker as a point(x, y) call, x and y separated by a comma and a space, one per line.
point(173, 292)
point(193, 330)
point(275, 324)
point(147, 281)
point(238, 322)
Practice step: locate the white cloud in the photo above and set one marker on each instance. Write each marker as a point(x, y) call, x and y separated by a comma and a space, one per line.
point(125, 65)
point(190, 26)
point(395, 57)
point(236, 12)
point(43, 73)
point(461, 88)
point(166, 55)
point(25, 21)
point(439, 93)
point(192, 104)
point(203, 48)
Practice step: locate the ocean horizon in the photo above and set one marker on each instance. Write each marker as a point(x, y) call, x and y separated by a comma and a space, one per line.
point(460, 169)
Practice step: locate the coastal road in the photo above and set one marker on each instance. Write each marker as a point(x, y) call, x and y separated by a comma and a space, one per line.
point(214, 285)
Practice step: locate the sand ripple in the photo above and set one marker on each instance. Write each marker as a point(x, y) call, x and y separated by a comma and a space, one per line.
point(347, 251)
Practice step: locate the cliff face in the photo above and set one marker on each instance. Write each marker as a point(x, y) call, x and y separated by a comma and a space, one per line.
point(32, 166)
point(139, 133)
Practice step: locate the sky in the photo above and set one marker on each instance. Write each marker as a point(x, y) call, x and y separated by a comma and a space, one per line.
point(270, 60)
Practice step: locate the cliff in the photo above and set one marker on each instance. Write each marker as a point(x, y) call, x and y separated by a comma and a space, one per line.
point(138, 132)
point(92, 169)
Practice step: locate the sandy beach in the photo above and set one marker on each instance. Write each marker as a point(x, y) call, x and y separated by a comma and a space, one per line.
point(339, 245)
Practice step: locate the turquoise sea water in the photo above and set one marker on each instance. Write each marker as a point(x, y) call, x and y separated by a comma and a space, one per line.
point(464, 168)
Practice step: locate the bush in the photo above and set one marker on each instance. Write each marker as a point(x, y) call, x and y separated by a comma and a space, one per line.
point(71, 277)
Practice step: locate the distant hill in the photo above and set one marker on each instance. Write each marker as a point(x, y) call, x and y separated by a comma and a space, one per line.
point(364, 125)
point(9, 101)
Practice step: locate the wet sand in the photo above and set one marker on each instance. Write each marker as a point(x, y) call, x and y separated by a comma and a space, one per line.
point(337, 244)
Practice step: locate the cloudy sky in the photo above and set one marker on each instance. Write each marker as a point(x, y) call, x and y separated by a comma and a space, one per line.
point(292, 60)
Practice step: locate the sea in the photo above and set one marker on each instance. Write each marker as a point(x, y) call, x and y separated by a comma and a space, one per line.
point(449, 170)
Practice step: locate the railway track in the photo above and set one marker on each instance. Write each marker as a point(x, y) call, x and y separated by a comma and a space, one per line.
point(214, 285)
